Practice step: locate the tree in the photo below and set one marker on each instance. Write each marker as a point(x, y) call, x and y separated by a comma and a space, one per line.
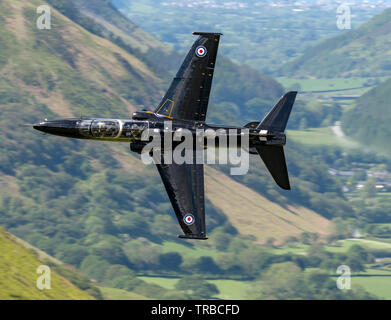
point(255, 259)
point(270, 241)
point(287, 281)
point(109, 249)
point(221, 240)
point(207, 265)
point(355, 264)
point(291, 240)
point(228, 263)
point(142, 254)
point(280, 281)
point(128, 282)
point(305, 237)
point(369, 189)
point(94, 267)
point(198, 287)
point(170, 261)
point(358, 252)
point(330, 265)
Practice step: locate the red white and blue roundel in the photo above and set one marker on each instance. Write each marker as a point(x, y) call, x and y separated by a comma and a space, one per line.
point(200, 51)
point(188, 219)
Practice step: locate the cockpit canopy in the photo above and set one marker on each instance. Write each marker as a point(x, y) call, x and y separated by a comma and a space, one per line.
point(105, 128)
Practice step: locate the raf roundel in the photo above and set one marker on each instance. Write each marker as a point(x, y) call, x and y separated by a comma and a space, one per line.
point(188, 219)
point(200, 51)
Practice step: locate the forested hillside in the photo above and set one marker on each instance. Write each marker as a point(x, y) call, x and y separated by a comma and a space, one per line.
point(369, 120)
point(96, 206)
point(363, 52)
point(261, 34)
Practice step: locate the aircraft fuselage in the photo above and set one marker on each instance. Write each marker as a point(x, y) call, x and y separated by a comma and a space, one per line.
point(130, 130)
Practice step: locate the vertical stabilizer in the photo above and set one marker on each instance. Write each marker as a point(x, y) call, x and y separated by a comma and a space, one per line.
point(277, 118)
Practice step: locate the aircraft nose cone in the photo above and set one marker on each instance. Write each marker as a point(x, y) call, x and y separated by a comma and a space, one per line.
point(40, 126)
point(59, 127)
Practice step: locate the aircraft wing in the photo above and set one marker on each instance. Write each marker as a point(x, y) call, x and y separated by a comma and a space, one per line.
point(184, 184)
point(188, 95)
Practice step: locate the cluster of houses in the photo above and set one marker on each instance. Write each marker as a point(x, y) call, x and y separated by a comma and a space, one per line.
point(382, 178)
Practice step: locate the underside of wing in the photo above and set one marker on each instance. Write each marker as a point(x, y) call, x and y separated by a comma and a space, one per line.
point(188, 95)
point(184, 184)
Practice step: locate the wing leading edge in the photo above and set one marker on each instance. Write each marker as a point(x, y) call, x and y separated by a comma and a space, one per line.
point(188, 95)
point(184, 184)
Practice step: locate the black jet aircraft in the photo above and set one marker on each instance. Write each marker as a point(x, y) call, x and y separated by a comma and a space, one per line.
point(185, 105)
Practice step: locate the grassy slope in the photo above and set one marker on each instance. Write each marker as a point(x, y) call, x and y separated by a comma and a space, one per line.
point(58, 66)
point(18, 275)
point(361, 52)
point(261, 217)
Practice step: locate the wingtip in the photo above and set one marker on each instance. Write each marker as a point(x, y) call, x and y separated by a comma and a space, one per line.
point(192, 236)
point(207, 33)
point(285, 187)
point(291, 93)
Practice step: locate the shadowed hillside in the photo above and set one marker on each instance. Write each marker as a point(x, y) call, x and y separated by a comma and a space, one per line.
point(369, 120)
point(363, 52)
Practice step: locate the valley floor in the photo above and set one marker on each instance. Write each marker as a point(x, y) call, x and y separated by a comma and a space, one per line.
point(376, 279)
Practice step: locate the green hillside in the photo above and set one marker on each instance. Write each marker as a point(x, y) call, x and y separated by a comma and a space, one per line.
point(18, 275)
point(369, 120)
point(363, 52)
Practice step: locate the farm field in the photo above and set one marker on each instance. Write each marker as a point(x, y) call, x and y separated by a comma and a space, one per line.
point(119, 294)
point(229, 289)
point(379, 286)
point(194, 251)
point(329, 84)
point(320, 137)
point(342, 246)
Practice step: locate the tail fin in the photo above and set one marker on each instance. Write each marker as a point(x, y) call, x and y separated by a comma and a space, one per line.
point(274, 159)
point(273, 155)
point(277, 118)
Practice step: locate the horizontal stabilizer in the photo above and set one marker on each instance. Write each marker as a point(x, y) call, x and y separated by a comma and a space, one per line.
point(274, 159)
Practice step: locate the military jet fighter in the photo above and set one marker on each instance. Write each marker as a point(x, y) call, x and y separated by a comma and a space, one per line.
point(185, 105)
